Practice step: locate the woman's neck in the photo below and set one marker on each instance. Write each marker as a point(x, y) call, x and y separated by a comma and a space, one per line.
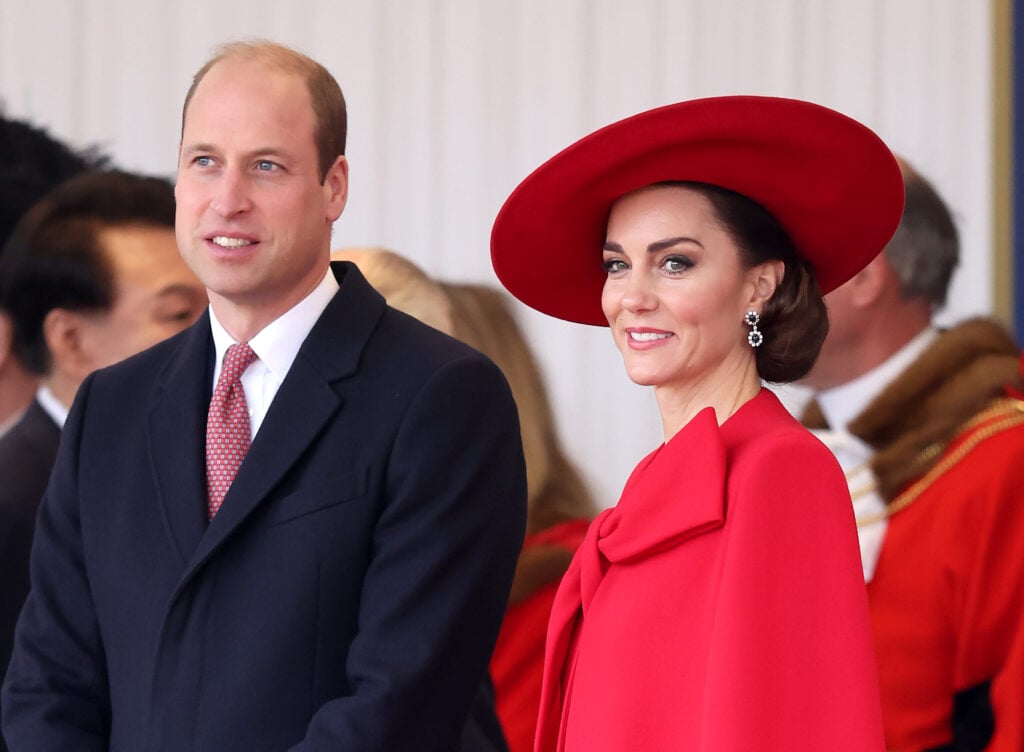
point(725, 392)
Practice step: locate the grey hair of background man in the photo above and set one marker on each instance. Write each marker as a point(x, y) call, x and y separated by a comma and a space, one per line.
point(925, 250)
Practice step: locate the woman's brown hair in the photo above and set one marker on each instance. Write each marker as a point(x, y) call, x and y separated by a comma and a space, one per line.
point(794, 321)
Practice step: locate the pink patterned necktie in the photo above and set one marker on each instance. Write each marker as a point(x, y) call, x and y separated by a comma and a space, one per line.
point(227, 426)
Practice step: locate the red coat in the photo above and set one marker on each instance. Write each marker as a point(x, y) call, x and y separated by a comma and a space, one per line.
point(720, 607)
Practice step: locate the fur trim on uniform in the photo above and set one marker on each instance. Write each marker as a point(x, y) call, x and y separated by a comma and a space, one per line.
point(918, 415)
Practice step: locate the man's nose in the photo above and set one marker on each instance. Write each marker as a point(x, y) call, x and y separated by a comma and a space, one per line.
point(231, 196)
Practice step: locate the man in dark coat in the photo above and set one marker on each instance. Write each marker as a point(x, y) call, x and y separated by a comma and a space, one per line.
point(345, 592)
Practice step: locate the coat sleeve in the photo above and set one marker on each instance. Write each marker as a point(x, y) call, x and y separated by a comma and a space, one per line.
point(444, 553)
point(55, 694)
point(791, 664)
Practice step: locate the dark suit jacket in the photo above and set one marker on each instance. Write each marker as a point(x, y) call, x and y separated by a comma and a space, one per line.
point(346, 596)
point(27, 453)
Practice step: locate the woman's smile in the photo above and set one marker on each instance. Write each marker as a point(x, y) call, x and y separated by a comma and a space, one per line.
point(643, 338)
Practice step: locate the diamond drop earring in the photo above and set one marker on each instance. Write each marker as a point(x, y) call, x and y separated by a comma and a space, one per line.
point(754, 336)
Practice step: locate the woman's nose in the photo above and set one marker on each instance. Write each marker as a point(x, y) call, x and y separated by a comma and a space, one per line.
point(638, 294)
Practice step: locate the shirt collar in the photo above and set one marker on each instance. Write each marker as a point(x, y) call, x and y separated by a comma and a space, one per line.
point(277, 344)
point(53, 407)
point(841, 404)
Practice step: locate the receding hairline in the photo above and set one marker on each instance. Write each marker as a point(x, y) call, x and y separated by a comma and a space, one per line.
point(274, 56)
point(326, 99)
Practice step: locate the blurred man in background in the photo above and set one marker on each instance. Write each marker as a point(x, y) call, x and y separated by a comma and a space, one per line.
point(929, 427)
point(31, 163)
point(91, 275)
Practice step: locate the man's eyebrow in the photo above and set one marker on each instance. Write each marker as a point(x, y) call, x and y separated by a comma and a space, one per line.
point(263, 151)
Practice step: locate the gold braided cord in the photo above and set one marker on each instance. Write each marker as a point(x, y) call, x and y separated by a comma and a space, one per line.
point(1004, 414)
point(864, 490)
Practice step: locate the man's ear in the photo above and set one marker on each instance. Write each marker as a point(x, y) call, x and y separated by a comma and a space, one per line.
point(6, 339)
point(63, 332)
point(336, 188)
point(867, 285)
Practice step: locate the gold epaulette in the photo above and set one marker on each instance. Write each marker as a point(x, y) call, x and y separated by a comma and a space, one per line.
point(1001, 415)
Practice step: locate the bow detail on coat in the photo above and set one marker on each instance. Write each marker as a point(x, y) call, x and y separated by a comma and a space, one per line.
point(675, 494)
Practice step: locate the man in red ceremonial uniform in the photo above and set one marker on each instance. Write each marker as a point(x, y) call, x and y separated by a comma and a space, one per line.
point(929, 427)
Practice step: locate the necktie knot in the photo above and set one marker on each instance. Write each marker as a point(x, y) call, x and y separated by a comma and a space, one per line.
point(236, 360)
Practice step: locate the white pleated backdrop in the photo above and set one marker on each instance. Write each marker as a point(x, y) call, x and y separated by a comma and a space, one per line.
point(452, 102)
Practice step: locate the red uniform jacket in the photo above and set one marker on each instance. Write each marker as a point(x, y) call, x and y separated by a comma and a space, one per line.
point(720, 607)
point(947, 597)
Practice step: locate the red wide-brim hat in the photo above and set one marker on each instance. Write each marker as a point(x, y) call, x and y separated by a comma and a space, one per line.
point(829, 181)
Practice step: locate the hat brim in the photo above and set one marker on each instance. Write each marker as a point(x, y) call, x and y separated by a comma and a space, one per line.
point(830, 182)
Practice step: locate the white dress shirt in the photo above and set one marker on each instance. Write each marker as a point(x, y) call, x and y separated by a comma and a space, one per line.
point(52, 406)
point(275, 346)
point(841, 406)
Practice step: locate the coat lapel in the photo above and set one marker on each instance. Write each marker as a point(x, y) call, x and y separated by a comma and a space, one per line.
point(39, 429)
point(177, 436)
point(303, 405)
point(306, 402)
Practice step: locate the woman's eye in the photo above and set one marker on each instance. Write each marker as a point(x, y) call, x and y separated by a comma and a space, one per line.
point(614, 265)
point(676, 264)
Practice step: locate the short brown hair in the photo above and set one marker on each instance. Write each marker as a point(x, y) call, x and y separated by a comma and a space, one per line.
point(794, 321)
point(324, 93)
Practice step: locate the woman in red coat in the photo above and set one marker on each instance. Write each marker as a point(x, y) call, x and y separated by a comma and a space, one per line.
point(719, 607)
